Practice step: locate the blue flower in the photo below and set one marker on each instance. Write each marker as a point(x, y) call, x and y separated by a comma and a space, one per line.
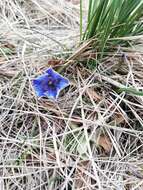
point(50, 84)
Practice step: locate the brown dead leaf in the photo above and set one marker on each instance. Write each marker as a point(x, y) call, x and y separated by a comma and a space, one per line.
point(52, 62)
point(80, 176)
point(93, 94)
point(105, 143)
point(8, 45)
point(51, 107)
point(56, 62)
point(117, 120)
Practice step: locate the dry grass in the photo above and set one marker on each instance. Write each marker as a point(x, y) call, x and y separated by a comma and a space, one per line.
point(91, 138)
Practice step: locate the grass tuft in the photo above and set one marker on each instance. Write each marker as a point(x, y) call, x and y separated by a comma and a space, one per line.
point(112, 19)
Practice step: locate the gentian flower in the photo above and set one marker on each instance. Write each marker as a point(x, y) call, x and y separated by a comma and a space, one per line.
point(50, 84)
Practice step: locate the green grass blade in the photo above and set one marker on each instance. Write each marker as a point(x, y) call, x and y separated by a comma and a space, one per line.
point(132, 91)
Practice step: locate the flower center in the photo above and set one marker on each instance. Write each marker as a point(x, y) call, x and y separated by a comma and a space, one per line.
point(50, 82)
